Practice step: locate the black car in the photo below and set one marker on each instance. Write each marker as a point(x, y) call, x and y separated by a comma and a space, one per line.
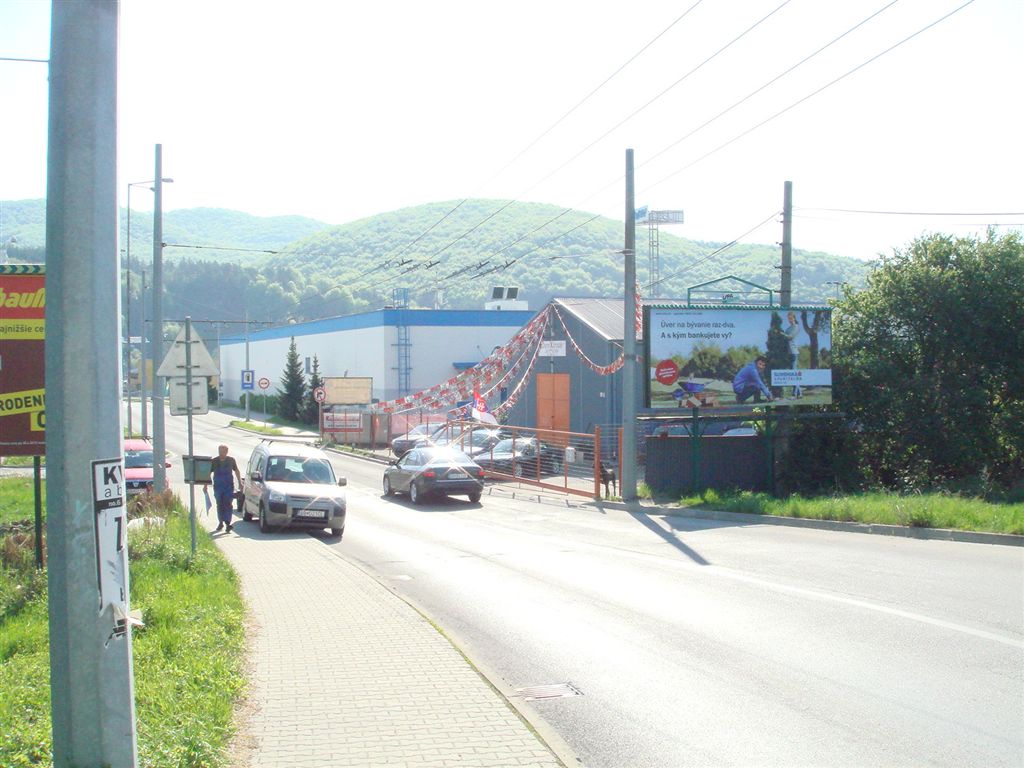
point(432, 470)
point(519, 457)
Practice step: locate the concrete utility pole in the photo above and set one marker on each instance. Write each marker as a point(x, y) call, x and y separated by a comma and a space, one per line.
point(629, 374)
point(786, 292)
point(159, 452)
point(92, 699)
point(142, 364)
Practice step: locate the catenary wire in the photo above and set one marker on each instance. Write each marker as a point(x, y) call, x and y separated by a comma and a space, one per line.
point(810, 95)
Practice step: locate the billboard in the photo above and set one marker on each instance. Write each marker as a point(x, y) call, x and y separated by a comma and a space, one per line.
point(348, 390)
point(22, 359)
point(737, 357)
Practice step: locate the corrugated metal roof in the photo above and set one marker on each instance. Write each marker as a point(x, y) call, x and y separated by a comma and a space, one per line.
point(604, 316)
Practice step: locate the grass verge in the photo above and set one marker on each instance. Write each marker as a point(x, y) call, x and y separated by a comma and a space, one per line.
point(930, 510)
point(188, 659)
point(252, 426)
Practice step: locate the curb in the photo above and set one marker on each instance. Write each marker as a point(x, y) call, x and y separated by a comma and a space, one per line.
point(877, 529)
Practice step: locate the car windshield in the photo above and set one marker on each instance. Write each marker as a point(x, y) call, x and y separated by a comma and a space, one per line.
point(296, 469)
point(505, 446)
point(421, 430)
point(136, 459)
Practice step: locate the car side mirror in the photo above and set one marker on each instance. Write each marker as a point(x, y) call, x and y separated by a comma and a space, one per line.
point(343, 481)
point(393, 463)
point(167, 464)
point(256, 477)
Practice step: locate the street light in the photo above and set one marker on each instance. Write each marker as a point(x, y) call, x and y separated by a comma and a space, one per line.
point(837, 284)
point(128, 310)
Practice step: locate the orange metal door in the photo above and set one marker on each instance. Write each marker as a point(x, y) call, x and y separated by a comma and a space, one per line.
point(553, 401)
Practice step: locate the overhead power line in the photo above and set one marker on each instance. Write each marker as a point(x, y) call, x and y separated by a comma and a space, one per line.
point(811, 95)
point(911, 213)
point(715, 252)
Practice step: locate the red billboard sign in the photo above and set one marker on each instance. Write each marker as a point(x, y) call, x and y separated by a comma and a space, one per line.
point(22, 356)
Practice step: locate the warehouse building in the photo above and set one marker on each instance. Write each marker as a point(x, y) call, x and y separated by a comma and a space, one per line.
point(401, 350)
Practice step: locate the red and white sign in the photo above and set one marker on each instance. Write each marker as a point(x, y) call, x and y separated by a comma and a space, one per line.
point(667, 372)
point(319, 394)
point(349, 421)
point(264, 383)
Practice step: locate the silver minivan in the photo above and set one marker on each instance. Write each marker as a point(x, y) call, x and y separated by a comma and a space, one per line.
point(291, 484)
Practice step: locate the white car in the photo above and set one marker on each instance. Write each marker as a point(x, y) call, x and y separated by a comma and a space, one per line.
point(292, 485)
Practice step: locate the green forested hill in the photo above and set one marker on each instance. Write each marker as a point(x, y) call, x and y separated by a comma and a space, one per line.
point(443, 254)
point(26, 221)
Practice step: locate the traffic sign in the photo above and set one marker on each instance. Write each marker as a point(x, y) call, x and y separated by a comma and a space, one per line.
point(174, 363)
point(264, 383)
point(319, 394)
point(178, 400)
point(248, 379)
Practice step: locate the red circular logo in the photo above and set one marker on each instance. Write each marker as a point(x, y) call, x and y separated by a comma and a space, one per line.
point(667, 372)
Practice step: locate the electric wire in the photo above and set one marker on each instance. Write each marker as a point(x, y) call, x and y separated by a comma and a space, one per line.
point(910, 213)
point(637, 111)
point(811, 95)
point(704, 259)
point(769, 83)
point(586, 98)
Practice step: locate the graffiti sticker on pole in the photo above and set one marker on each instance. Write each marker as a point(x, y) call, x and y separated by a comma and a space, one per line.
point(111, 555)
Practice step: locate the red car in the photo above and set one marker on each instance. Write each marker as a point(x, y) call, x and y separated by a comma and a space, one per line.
point(138, 466)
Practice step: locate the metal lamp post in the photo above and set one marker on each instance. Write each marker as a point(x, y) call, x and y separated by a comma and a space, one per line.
point(128, 295)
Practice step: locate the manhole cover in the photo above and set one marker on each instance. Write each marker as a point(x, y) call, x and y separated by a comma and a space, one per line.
point(554, 691)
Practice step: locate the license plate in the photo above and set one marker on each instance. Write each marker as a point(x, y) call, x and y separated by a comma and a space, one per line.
point(457, 473)
point(314, 514)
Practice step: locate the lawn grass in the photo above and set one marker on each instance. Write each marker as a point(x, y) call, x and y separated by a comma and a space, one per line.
point(252, 426)
point(926, 510)
point(188, 659)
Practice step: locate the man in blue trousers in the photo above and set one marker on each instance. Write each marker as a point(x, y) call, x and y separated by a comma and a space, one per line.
point(221, 470)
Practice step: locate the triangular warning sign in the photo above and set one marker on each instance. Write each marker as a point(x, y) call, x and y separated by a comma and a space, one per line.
point(174, 363)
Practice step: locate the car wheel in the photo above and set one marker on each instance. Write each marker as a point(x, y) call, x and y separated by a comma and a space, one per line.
point(247, 516)
point(415, 496)
point(388, 490)
point(337, 532)
point(264, 528)
point(474, 497)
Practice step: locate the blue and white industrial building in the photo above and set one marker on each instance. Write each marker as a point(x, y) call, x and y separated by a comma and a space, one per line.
point(402, 350)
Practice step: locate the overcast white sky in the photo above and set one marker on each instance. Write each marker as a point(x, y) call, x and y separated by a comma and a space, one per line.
point(339, 111)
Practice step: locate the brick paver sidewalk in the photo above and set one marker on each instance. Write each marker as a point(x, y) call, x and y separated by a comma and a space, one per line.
point(345, 673)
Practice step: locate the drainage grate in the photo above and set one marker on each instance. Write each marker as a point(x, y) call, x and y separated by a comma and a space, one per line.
point(555, 691)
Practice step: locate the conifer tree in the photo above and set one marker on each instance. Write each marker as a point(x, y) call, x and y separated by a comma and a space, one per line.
point(290, 405)
point(312, 407)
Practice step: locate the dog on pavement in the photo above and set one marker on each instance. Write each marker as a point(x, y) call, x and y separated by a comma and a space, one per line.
point(608, 478)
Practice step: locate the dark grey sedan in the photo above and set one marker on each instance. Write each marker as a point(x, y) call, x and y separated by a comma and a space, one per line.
point(433, 470)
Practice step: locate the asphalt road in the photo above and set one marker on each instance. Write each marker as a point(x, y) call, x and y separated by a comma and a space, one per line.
point(688, 642)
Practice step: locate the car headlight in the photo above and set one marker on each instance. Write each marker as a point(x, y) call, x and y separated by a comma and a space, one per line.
point(276, 497)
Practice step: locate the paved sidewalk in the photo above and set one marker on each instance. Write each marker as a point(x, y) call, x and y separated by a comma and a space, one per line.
point(345, 673)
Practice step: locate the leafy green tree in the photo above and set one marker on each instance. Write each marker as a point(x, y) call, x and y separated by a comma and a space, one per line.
point(929, 362)
point(291, 405)
point(311, 412)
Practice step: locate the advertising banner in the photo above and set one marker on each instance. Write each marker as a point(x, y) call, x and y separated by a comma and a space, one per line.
point(733, 357)
point(22, 358)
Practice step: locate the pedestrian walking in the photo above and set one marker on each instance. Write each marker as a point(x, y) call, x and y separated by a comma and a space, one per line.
point(221, 470)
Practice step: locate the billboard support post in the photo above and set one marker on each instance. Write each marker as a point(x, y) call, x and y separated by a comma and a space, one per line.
point(695, 436)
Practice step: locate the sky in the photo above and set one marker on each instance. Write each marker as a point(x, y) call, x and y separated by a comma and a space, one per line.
point(340, 111)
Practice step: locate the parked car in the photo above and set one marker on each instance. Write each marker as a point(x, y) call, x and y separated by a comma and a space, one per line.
point(471, 442)
point(292, 484)
point(138, 466)
point(415, 436)
point(434, 470)
point(519, 457)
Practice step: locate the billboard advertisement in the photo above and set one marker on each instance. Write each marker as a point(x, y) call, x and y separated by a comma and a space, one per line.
point(22, 357)
point(738, 357)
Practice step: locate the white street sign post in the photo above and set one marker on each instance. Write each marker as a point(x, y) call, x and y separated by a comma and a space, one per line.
point(264, 384)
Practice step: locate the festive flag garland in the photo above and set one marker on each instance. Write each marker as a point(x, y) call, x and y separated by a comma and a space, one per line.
point(497, 368)
point(461, 386)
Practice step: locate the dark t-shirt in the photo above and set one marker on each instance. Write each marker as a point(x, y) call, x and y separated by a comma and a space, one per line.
point(223, 471)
